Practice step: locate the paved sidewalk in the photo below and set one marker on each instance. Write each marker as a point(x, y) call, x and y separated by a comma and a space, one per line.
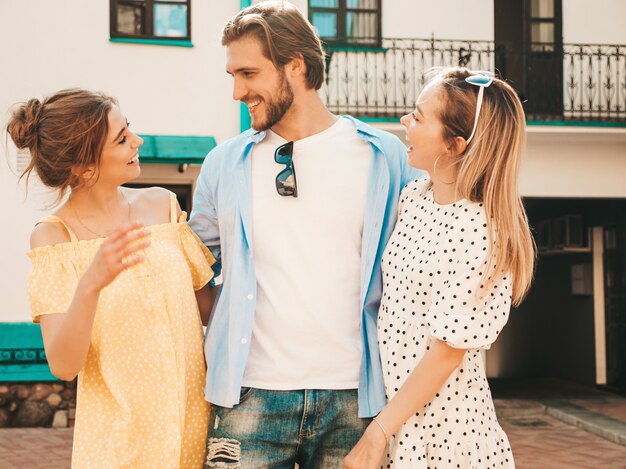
point(35, 448)
point(538, 441)
point(611, 406)
point(550, 424)
point(543, 442)
point(591, 398)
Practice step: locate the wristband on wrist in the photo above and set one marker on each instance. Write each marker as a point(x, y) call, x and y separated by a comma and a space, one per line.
point(382, 428)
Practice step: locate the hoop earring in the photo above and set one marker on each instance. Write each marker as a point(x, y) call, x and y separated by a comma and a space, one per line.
point(435, 172)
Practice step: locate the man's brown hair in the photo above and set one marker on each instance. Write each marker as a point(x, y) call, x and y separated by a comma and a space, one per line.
point(284, 34)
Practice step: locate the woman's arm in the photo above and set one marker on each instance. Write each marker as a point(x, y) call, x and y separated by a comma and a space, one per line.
point(206, 298)
point(67, 336)
point(418, 390)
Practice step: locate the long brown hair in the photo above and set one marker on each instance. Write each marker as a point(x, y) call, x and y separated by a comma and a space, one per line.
point(284, 34)
point(488, 170)
point(65, 130)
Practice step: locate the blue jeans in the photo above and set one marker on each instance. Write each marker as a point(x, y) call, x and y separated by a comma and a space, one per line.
point(277, 429)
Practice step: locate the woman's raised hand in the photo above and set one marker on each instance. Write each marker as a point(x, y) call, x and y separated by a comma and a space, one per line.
point(117, 253)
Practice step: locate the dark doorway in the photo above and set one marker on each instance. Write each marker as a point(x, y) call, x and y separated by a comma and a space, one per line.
point(552, 333)
point(529, 52)
point(615, 303)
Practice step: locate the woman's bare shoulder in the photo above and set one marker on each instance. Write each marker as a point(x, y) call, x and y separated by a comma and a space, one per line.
point(48, 233)
point(152, 203)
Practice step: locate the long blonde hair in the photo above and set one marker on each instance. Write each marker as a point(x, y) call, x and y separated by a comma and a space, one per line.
point(488, 169)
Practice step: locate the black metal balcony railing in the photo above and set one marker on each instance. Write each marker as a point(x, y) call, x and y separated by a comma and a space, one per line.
point(581, 82)
point(595, 82)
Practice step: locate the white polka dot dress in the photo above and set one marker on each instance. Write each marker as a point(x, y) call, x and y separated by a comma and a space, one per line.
point(140, 401)
point(433, 269)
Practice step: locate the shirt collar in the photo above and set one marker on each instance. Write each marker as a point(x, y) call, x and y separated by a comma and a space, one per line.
point(364, 131)
point(255, 136)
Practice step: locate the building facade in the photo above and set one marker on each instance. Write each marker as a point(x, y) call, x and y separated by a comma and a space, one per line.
point(164, 62)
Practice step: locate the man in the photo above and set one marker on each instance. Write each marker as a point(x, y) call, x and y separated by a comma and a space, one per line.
point(297, 211)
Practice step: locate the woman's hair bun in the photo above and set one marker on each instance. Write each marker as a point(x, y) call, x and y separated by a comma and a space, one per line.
point(23, 125)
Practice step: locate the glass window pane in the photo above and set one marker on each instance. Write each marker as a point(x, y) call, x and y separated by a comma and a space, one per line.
point(325, 23)
point(542, 9)
point(129, 19)
point(542, 32)
point(367, 4)
point(170, 20)
point(324, 3)
point(542, 37)
point(361, 25)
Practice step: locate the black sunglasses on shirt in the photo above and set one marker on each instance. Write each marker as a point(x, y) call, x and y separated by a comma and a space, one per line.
point(286, 184)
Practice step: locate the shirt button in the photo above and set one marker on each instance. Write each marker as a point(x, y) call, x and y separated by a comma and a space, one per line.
point(244, 341)
point(250, 296)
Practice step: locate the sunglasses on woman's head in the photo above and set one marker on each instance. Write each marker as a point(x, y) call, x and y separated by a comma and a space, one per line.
point(286, 184)
point(482, 79)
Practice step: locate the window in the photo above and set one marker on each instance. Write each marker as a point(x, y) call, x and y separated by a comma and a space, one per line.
point(347, 22)
point(542, 25)
point(151, 19)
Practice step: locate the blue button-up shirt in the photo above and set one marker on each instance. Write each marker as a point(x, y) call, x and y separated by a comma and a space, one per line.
point(222, 218)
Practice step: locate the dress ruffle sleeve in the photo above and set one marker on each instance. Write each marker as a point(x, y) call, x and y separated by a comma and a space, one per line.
point(52, 280)
point(464, 313)
point(199, 258)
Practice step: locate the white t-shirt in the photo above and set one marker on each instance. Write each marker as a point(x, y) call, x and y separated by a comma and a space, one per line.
point(307, 257)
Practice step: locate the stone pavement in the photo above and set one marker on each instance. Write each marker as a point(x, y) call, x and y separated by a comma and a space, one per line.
point(26, 448)
point(610, 406)
point(539, 442)
point(591, 398)
point(549, 425)
point(542, 441)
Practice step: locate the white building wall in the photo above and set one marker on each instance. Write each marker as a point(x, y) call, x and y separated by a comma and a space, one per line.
point(46, 45)
point(573, 162)
point(597, 22)
point(568, 162)
point(49, 45)
point(594, 22)
point(445, 19)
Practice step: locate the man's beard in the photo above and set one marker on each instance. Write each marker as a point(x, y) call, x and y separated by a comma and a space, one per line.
point(277, 107)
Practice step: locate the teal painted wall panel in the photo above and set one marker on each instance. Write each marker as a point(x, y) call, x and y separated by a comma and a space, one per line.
point(154, 42)
point(244, 119)
point(20, 335)
point(177, 149)
point(26, 373)
point(22, 356)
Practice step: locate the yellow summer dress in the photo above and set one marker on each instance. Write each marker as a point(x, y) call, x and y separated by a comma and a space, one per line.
point(140, 397)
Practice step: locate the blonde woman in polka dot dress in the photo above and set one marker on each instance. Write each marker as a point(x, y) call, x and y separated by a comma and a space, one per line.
point(460, 255)
point(115, 296)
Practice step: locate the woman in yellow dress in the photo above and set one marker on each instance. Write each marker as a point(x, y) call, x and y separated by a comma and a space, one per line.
point(113, 276)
